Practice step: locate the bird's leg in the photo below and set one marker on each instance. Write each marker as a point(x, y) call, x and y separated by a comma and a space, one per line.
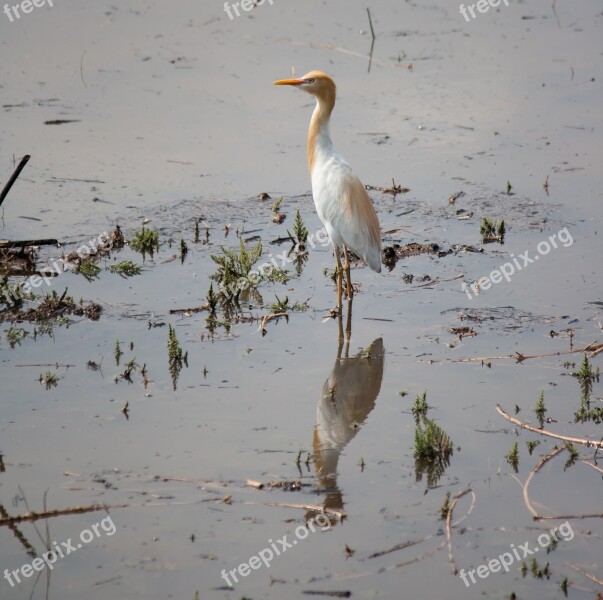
point(348, 328)
point(339, 280)
point(348, 277)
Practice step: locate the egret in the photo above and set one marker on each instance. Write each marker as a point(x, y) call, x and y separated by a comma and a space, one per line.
point(342, 202)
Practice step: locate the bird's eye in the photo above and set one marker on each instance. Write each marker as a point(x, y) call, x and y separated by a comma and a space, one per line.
point(311, 80)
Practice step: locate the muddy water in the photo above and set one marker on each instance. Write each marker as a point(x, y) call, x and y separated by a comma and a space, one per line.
point(176, 119)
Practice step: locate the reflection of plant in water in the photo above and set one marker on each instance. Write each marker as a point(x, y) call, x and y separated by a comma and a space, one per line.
point(282, 305)
point(235, 277)
point(586, 377)
point(513, 456)
point(419, 408)
point(540, 410)
point(176, 358)
point(574, 455)
point(433, 446)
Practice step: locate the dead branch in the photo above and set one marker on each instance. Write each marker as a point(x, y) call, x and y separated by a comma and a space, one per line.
point(317, 507)
point(426, 554)
point(397, 547)
point(585, 461)
point(594, 348)
point(60, 512)
point(533, 472)
point(21, 243)
point(565, 438)
point(456, 498)
point(567, 517)
point(13, 178)
point(258, 485)
point(17, 533)
point(591, 577)
point(267, 318)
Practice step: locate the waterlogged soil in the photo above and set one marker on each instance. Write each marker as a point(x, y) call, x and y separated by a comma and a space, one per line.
point(213, 444)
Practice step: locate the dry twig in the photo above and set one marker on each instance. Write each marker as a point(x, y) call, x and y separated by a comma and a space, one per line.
point(456, 498)
point(565, 438)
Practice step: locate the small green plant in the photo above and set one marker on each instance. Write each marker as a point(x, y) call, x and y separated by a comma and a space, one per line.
point(540, 409)
point(431, 441)
point(552, 545)
point(125, 268)
point(491, 231)
point(512, 456)
point(432, 445)
point(15, 335)
point(524, 568)
point(234, 274)
point(574, 455)
point(145, 241)
point(419, 408)
point(13, 295)
point(563, 586)
point(176, 358)
point(537, 571)
point(117, 352)
point(89, 269)
point(531, 444)
point(212, 299)
point(183, 250)
point(49, 379)
point(276, 205)
point(330, 273)
point(300, 233)
point(131, 366)
point(586, 377)
point(509, 188)
point(282, 305)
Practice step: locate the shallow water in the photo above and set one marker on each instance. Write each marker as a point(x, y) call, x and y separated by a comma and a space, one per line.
point(178, 120)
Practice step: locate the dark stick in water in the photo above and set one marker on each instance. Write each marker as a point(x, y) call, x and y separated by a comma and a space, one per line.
point(13, 178)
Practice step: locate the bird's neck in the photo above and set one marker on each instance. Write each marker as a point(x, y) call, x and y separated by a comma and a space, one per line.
point(319, 138)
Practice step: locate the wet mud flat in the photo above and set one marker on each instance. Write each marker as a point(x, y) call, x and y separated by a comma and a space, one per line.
point(182, 372)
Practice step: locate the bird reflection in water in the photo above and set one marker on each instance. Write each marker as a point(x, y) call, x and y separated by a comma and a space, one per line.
point(348, 396)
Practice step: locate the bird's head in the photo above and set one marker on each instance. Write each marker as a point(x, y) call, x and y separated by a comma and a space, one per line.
point(317, 83)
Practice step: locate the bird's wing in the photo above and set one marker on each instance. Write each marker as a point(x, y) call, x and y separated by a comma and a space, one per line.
point(357, 222)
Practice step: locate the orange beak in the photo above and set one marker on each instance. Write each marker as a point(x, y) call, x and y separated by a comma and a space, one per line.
point(289, 82)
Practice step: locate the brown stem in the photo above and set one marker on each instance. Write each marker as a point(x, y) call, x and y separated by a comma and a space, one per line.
point(566, 438)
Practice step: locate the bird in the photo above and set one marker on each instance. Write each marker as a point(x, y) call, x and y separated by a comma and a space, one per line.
point(341, 200)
